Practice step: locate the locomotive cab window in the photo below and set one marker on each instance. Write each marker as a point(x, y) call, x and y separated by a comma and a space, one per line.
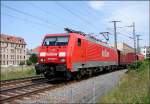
point(56, 41)
point(79, 42)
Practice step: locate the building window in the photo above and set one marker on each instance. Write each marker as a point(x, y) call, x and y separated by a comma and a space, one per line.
point(3, 62)
point(20, 57)
point(1, 43)
point(1, 49)
point(12, 56)
point(7, 56)
point(4, 56)
point(24, 57)
point(0, 56)
point(12, 51)
point(17, 56)
point(11, 44)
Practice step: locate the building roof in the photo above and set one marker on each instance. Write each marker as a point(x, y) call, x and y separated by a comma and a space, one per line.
point(11, 39)
point(125, 47)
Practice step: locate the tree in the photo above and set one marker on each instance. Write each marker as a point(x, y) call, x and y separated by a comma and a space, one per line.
point(33, 58)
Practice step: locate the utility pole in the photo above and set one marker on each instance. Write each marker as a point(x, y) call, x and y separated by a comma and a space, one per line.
point(138, 46)
point(134, 37)
point(115, 33)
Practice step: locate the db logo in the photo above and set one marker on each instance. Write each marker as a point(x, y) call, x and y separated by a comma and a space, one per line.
point(105, 53)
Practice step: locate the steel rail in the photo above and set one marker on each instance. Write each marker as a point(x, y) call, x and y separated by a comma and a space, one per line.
point(3, 82)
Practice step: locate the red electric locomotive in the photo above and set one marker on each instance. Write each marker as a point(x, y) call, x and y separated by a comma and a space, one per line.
point(74, 54)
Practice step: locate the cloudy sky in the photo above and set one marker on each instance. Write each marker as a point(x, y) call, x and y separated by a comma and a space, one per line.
point(32, 20)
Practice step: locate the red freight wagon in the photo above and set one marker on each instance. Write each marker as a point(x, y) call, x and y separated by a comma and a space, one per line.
point(127, 58)
point(74, 54)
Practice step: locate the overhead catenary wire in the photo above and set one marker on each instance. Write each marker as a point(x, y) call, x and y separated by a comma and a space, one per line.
point(30, 15)
point(129, 35)
point(48, 12)
point(43, 10)
point(26, 20)
point(85, 18)
point(118, 30)
point(76, 15)
point(125, 35)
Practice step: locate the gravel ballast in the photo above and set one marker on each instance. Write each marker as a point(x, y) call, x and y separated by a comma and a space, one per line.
point(86, 91)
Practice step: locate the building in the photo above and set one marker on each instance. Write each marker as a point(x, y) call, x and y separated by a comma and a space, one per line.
point(28, 53)
point(125, 48)
point(145, 51)
point(12, 50)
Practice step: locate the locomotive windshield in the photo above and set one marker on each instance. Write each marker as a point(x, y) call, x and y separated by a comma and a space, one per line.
point(56, 41)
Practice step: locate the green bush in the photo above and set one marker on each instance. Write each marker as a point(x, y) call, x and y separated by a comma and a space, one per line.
point(135, 66)
point(33, 58)
point(22, 63)
point(29, 62)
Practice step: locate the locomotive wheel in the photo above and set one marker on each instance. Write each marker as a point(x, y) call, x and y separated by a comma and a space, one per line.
point(78, 75)
point(89, 72)
point(47, 76)
point(82, 72)
point(68, 75)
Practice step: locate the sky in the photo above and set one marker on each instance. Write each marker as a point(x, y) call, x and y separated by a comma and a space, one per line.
point(32, 20)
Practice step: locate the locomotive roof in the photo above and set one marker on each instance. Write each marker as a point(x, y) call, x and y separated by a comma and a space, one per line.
point(88, 37)
point(58, 34)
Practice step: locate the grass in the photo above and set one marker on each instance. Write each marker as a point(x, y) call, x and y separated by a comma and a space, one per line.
point(133, 87)
point(17, 73)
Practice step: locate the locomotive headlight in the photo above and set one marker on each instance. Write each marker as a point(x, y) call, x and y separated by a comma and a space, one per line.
point(43, 54)
point(62, 60)
point(62, 54)
point(42, 60)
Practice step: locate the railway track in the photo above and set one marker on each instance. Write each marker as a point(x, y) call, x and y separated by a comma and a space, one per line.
point(6, 82)
point(11, 91)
